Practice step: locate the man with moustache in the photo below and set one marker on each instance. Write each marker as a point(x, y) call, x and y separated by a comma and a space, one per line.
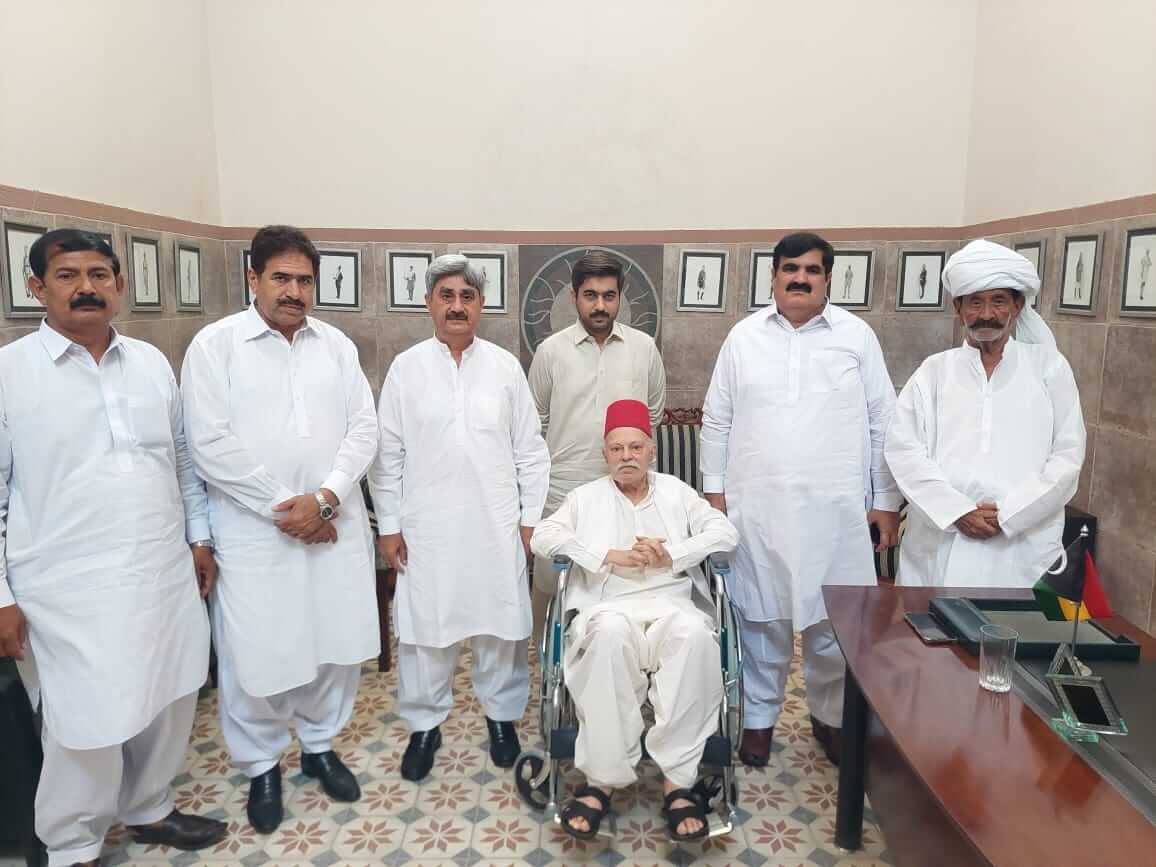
point(458, 486)
point(578, 372)
point(281, 427)
point(636, 538)
point(988, 439)
point(792, 452)
point(99, 505)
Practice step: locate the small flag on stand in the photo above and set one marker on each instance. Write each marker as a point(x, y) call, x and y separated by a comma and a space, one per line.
point(1071, 588)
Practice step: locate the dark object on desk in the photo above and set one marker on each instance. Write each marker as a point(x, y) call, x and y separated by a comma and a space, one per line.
point(1039, 637)
point(20, 760)
point(928, 629)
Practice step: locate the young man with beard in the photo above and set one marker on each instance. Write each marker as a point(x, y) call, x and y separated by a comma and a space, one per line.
point(577, 373)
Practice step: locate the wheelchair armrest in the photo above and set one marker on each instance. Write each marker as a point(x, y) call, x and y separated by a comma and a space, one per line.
point(561, 561)
point(720, 564)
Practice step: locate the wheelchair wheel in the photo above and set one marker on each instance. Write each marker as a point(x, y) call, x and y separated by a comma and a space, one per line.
point(527, 767)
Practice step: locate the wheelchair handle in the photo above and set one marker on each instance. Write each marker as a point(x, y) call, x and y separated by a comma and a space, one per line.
point(720, 564)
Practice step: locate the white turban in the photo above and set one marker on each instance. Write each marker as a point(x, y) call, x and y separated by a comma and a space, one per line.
point(983, 265)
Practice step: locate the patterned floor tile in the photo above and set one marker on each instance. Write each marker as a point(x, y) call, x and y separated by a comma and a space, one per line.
point(437, 837)
point(369, 837)
point(454, 795)
point(469, 812)
point(506, 835)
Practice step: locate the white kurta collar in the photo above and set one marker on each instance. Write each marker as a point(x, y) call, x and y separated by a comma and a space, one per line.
point(444, 348)
point(57, 344)
point(255, 325)
point(579, 334)
point(649, 491)
point(824, 316)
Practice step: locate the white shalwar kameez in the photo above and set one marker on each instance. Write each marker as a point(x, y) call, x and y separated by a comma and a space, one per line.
point(99, 501)
point(638, 632)
point(793, 427)
point(462, 464)
point(958, 438)
point(269, 419)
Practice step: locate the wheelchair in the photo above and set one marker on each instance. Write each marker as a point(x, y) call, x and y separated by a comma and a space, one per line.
point(538, 773)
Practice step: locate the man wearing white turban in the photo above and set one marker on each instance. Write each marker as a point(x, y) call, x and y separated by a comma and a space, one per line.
point(987, 439)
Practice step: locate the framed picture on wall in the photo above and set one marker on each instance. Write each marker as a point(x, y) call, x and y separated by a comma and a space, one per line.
point(339, 280)
point(702, 281)
point(920, 281)
point(144, 255)
point(492, 264)
point(1033, 251)
point(187, 257)
point(1081, 262)
point(1138, 297)
point(762, 272)
point(851, 279)
point(406, 269)
point(18, 298)
point(246, 292)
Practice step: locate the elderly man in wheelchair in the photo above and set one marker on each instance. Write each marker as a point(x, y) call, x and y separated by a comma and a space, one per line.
point(634, 538)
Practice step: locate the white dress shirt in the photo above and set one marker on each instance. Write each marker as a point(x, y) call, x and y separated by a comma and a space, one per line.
point(573, 380)
point(98, 502)
point(597, 517)
point(959, 438)
point(268, 420)
point(793, 428)
point(462, 464)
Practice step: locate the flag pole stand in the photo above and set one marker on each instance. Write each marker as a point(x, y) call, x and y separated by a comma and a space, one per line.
point(1069, 732)
point(1081, 669)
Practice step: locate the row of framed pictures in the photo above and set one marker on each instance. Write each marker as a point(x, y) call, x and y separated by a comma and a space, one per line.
point(339, 283)
point(702, 277)
point(143, 271)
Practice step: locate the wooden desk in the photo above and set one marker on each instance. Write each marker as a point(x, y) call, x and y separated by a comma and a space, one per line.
point(958, 775)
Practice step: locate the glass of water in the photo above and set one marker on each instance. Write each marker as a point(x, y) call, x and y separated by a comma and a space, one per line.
point(997, 653)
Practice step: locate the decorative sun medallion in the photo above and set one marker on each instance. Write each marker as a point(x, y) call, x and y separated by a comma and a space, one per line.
point(547, 305)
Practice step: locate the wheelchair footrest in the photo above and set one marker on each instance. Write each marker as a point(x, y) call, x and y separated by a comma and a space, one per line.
point(562, 743)
point(717, 751)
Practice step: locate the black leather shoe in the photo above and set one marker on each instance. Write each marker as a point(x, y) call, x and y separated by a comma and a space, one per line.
point(504, 744)
point(336, 779)
point(265, 808)
point(181, 831)
point(419, 755)
point(829, 738)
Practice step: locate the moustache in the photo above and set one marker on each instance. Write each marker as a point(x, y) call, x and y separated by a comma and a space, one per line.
point(993, 324)
point(799, 287)
point(291, 302)
point(629, 465)
point(87, 301)
point(457, 317)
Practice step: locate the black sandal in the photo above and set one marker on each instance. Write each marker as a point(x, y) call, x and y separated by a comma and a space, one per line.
point(675, 816)
point(575, 809)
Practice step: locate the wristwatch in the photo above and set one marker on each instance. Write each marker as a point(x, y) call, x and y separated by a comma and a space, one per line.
point(327, 511)
point(203, 543)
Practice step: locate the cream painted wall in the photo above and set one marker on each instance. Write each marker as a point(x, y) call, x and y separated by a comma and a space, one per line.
point(1065, 105)
point(109, 101)
point(646, 114)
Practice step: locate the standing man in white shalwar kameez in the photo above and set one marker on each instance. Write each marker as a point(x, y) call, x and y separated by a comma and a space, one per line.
point(281, 426)
point(636, 538)
point(578, 372)
point(988, 439)
point(99, 505)
point(458, 487)
point(792, 451)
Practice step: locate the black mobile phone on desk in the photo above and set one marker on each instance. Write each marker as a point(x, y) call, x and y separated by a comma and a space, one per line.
point(928, 629)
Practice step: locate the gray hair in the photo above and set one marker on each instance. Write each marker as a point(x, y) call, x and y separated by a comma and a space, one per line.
point(447, 266)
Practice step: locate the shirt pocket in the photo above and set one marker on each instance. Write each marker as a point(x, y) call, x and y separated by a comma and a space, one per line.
point(830, 370)
point(486, 412)
point(149, 422)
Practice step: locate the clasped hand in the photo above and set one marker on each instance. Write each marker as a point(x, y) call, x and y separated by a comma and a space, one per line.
point(301, 519)
point(980, 523)
point(646, 553)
